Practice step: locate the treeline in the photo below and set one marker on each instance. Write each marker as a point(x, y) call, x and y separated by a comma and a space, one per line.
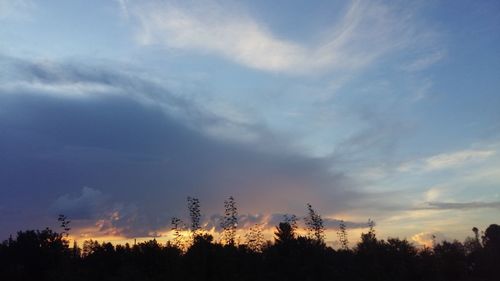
point(47, 255)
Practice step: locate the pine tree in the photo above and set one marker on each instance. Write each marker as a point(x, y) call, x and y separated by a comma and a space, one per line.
point(284, 233)
point(292, 220)
point(76, 250)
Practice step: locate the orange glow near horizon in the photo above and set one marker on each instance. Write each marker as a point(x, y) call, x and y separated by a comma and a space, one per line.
point(103, 231)
point(166, 236)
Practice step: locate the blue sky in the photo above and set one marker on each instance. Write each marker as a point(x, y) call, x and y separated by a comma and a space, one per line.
point(114, 111)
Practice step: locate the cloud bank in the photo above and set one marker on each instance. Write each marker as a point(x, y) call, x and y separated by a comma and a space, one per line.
point(137, 160)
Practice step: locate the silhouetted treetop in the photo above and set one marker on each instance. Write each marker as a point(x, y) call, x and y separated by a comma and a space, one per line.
point(45, 255)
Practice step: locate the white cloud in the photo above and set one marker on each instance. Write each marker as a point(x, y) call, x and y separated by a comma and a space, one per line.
point(65, 89)
point(364, 32)
point(427, 239)
point(433, 193)
point(447, 160)
point(214, 30)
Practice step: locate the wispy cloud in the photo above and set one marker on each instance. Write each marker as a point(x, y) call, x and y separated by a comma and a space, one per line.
point(425, 61)
point(363, 33)
point(462, 206)
point(447, 160)
point(123, 8)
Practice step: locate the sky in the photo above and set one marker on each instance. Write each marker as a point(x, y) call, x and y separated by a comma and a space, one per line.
point(113, 112)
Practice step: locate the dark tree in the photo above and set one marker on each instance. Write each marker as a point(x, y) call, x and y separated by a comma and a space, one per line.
point(177, 227)
point(472, 245)
point(44, 255)
point(284, 233)
point(491, 238)
point(194, 215)
point(229, 222)
point(451, 260)
point(490, 255)
point(371, 228)
point(314, 225)
point(254, 239)
point(34, 255)
point(476, 233)
point(342, 235)
point(292, 220)
point(64, 223)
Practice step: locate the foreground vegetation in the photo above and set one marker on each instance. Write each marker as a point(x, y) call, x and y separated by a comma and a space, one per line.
point(46, 255)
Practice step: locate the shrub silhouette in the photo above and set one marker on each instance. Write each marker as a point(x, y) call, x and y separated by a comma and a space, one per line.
point(46, 255)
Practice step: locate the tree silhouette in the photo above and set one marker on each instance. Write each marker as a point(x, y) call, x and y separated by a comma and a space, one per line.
point(45, 255)
point(194, 215)
point(284, 233)
point(476, 233)
point(64, 223)
point(314, 225)
point(76, 252)
point(490, 255)
point(451, 260)
point(371, 228)
point(491, 237)
point(342, 235)
point(292, 220)
point(229, 221)
point(370, 237)
point(254, 238)
point(472, 245)
point(177, 228)
point(33, 255)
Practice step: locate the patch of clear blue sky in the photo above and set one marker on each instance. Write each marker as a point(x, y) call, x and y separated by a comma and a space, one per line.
point(68, 28)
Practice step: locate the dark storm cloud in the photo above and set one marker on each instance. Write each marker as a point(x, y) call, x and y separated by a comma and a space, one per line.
point(74, 78)
point(137, 157)
point(88, 205)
